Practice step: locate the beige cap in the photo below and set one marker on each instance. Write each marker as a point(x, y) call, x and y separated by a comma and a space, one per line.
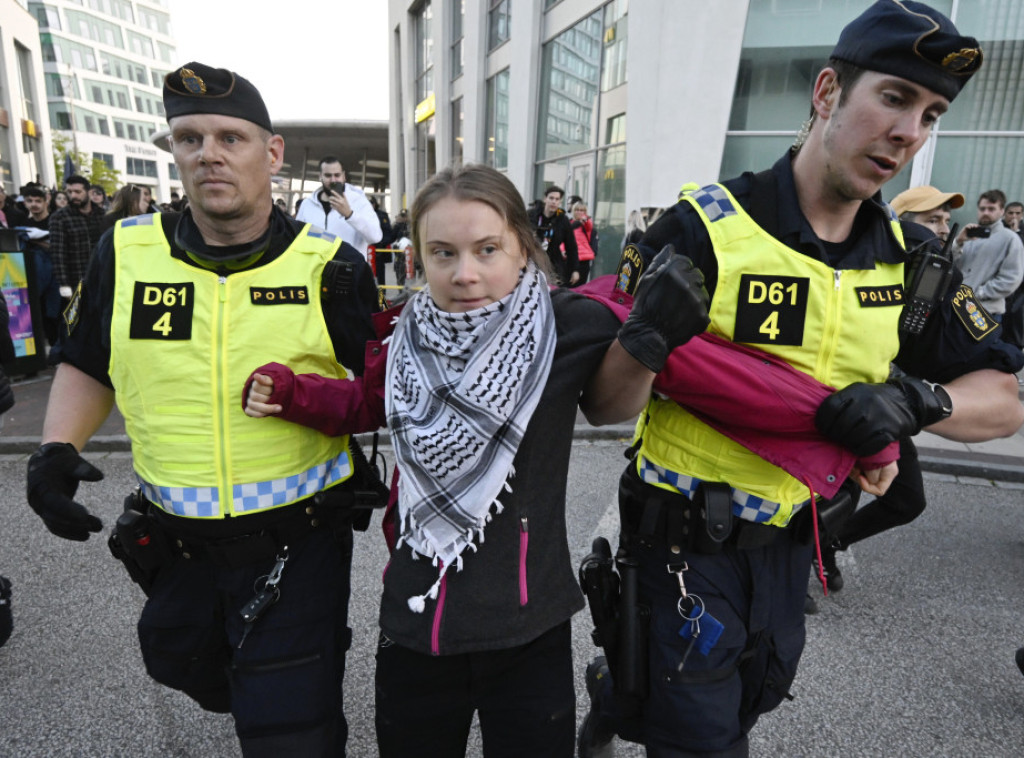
point(924, 198)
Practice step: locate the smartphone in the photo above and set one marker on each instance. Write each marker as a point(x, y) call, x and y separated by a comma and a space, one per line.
point(979, 232)
point(338, 187)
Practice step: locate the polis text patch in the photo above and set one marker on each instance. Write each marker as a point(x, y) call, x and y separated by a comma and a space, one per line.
point(279, 295)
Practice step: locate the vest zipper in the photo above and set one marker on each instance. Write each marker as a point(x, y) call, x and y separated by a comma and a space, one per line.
point(524, 544)
point(831, 330)
point(435, 628)
point(220, 407)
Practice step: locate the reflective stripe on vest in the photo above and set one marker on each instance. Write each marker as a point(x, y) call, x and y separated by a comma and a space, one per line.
point(202, 502)
point(744, 505)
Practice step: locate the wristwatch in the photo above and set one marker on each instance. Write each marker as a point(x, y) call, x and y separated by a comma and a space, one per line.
point(944, 399)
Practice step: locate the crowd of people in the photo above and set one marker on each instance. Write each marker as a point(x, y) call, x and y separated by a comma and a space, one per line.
point(739, 480)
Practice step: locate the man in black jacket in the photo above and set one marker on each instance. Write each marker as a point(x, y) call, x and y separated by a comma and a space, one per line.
point(556, 235)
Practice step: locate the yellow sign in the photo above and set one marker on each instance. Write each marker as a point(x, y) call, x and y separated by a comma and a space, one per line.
point(426, 108)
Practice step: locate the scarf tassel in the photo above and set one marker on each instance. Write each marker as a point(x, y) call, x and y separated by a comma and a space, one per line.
point(418, 603)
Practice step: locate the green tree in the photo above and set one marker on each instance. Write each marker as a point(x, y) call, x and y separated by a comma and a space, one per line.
point(95, 169)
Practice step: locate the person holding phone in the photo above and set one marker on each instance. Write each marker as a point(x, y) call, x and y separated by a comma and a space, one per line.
point(340, 208)
point(990, 256)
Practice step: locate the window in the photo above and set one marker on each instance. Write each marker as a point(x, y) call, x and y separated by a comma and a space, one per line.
point(107, 158)
point(498, 23)
point(54, 85)
point(172, 171)
point(133, 133)
point(141, 167)
point(104, 126)
point(47, 17)
point(140, 45)
point(458, 116)
point(118, 129)
point(424, 52)
point(122, 9)
point(569, 95)
point(457, 53)
point(94, 28)
point(613, 65)
point(61, 118)
point(497, 120)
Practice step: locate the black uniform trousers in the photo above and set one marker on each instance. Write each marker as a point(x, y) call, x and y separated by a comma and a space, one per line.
point(283, 683)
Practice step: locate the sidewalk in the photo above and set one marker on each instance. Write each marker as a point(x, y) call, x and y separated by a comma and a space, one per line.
point(998, 460)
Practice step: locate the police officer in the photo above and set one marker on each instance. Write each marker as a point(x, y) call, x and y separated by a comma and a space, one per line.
point(175, 312)
point(787, 254)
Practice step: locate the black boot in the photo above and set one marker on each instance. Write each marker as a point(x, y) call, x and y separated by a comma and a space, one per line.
point(595, 736)
point(833, 576)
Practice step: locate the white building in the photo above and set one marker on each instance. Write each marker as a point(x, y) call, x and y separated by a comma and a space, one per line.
point(105, 61)
point(25, 151)
point(622, 103)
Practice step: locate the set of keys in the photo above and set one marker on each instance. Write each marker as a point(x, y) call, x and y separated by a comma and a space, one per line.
point(699, 627)
point(265, 596)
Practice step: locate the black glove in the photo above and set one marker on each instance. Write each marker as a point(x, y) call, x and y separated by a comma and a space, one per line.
point(864, 418)
point(670, 307)
point(54, 471)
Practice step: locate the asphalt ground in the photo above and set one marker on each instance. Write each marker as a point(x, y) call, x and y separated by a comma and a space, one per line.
point(913, 658)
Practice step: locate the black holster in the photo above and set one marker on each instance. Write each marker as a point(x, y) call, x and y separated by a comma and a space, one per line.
point(139, 542)
point(367, 488)
point(621, 620)
point(832, 514)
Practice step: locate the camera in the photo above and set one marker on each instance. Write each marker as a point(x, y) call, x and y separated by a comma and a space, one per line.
point(979, 232)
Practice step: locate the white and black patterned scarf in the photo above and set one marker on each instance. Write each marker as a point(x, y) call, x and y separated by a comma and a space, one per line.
point(461, 389)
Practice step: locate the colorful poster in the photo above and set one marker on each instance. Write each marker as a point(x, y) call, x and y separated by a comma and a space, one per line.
point(15, 286)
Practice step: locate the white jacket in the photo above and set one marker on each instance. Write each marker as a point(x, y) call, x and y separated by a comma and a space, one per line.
point(360, 230)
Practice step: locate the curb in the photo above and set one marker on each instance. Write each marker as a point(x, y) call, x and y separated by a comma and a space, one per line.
point(1001, 468)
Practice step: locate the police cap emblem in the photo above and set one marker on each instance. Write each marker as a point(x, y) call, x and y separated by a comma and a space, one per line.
point(961, 60)
point(192, 82)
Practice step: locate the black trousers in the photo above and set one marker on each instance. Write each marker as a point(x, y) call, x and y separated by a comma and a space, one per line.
point(524, 696)
point(901, 504)
point(283, 685)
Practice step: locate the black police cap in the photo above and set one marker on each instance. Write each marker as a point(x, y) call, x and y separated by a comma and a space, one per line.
point(198, 88)
point(912, 41)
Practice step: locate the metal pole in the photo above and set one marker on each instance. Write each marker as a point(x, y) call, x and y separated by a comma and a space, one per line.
point(305, 163)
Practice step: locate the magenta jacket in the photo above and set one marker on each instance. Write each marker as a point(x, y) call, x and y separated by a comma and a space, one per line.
point(753, 398)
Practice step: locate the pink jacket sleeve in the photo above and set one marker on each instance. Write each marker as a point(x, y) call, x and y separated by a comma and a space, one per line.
point(334, 406)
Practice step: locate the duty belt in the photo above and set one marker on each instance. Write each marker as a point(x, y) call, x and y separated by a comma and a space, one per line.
point(299, 520)
point(701, 523)
point(745, 506)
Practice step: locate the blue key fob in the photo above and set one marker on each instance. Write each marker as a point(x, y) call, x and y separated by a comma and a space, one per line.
point(709, 630)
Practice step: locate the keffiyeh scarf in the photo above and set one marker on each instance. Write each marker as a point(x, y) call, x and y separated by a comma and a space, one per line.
point(461, 389)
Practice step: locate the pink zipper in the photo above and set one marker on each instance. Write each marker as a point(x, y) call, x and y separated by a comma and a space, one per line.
point(524, 544)
point(435, 631)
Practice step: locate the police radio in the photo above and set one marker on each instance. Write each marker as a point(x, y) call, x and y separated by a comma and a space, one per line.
point(926, 283)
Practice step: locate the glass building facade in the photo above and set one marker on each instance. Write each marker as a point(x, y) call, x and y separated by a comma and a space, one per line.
point(551, 92)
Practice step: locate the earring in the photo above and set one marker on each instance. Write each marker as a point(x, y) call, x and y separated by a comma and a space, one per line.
point(802, 134)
